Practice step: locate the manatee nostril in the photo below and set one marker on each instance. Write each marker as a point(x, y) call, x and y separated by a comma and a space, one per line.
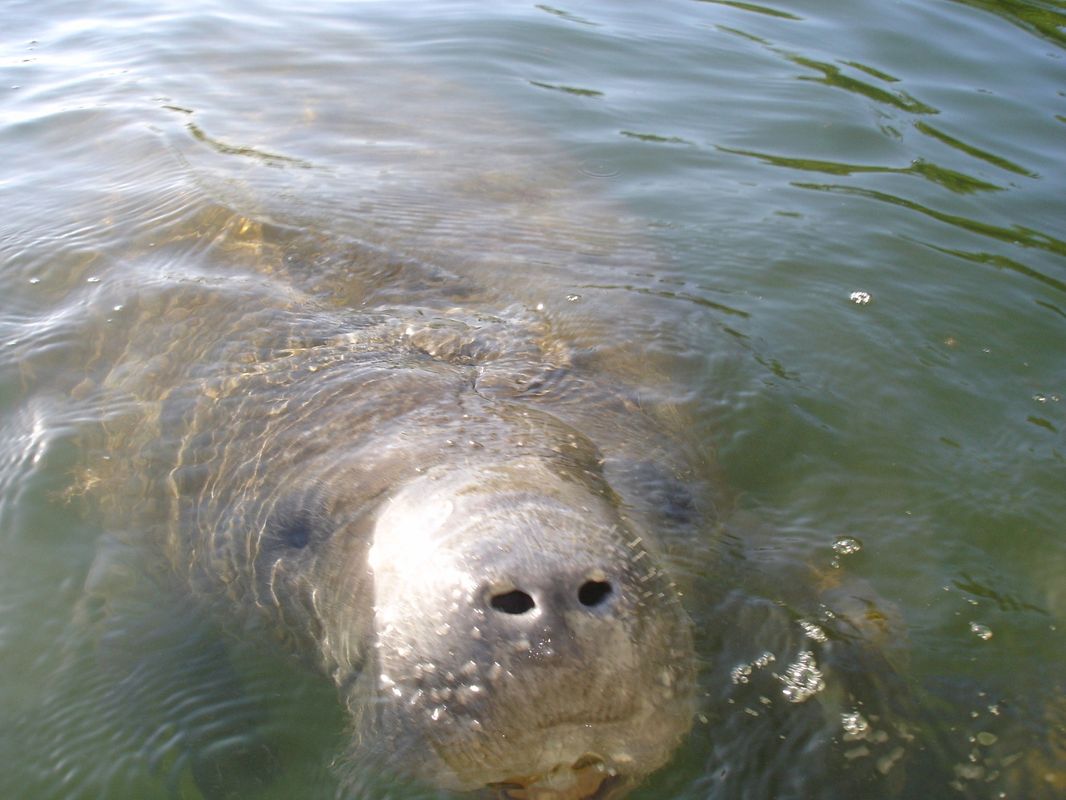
point(593, 593)
point(514, 602)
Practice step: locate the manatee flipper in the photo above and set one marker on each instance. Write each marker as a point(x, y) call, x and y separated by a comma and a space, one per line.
point(142, 675)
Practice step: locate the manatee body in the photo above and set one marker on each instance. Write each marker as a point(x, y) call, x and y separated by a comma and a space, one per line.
point(432, 504)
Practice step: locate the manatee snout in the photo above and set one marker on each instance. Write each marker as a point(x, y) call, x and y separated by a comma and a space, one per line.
point(550, 609)
point(557, 590)
point(526, 633)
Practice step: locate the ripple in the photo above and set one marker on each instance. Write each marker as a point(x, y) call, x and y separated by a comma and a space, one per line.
point(834, 76)
point(598, 169)
point(575, 90)
point(971, 150)
point(223, 148)
point(755, 8)
point(950, 179)
point(1015, 235)
point(558, 12)
point(655, 138)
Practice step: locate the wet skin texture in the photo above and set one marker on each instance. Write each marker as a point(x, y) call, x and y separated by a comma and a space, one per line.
point(439, 510)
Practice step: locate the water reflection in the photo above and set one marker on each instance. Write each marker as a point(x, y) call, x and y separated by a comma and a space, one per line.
point(758, 9)
point(971, 150)
point(558, 87)
point(269, 159)
point(1018, 234)
point(830, 421)
point(1006, 263)
point(1048, 20)
point(834, 76)
point(950, 179)
point(569, 17)
point(655, 138)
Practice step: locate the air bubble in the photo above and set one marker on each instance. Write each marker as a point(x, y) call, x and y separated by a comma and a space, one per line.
point(813, 631)
point(740, 674)
point(802, 679)
point(854, 723)
point(846, 545)
point(764, 660)
point(982, 631)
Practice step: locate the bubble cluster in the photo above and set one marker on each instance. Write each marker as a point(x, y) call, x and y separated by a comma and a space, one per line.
point(802, 679)
point(844, 546)
point(742, 672)
point(981, 631)
point(854, 723)
point(813, 631)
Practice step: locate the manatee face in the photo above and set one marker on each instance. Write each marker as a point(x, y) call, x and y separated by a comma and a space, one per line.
point(448, 551)
point(524, 637)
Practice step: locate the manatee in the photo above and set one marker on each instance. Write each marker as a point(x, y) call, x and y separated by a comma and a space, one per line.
point(436, 505)
point(399, 405)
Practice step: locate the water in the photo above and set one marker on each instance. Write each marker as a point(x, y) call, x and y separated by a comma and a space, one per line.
point(835, 229)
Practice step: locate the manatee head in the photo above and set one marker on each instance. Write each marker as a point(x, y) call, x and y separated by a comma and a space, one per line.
point(524, 636)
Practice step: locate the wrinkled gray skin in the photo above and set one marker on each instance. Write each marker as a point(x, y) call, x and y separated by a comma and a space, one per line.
point(431, 506)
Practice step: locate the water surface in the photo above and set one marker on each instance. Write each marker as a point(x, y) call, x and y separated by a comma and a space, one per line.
point(834, 232)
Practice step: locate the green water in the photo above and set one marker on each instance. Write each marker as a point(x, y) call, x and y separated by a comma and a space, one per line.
point(835, 229)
